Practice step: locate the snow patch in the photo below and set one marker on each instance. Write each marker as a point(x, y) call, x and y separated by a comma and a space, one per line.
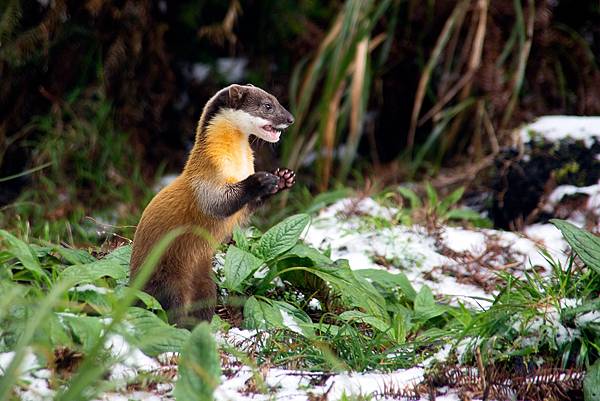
point(555, 128)
point(368, 383)
point(90, 287)
point(131, 360)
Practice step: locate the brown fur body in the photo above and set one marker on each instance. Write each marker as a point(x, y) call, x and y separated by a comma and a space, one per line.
point(220, 161)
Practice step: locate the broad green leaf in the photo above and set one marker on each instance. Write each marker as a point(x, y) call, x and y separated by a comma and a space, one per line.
point(584, 243)
point(372, 321)
point(23, 253)
point(259, 314)
point(100, 302)
point(425, 306)
point(282, 236)
point(240, 239)
point(115, 265)
point(151, 334)
point(122, 255)
point(85, 329)
point(591, 383)
point(239, 265)
point(354, 289)
point(295, 319)
point(199, 367)
point(389, 280)
point(90, 272)
point(148, 300)
point(75, 256)
point(56, 331)
point(302, 250)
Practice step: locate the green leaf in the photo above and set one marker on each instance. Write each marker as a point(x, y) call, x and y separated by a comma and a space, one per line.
point(151, 334)
point(115, 265)
point(450, 201)
point(199, 367)
point(425, 306)
point(372, 321)
point(240, 239)
point(270, 314)
point(432, 196)
point(389, 281)
point(302, 250)
point(413, 199)
point(261, 315)
point(463, 214)
point(282, 237)
point(585, 244)
point(239, 265)
point(353, 288)
point(23, 253)
point(591, 383)
point(295, 319)
point(75, 256)
point(85, 329)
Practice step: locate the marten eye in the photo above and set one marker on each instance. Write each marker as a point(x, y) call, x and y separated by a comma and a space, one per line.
point(268, 106)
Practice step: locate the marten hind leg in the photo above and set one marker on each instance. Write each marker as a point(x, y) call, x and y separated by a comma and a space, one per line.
point(205, 293)
point(175, 296)
point(205, 300)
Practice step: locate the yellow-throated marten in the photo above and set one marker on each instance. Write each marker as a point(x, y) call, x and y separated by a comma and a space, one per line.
point(217, 190)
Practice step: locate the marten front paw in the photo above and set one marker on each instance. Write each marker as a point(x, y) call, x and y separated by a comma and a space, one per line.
point(287, 178)
point(266, 183)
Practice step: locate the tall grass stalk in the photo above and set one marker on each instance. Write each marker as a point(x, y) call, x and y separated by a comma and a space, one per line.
point(329, 94)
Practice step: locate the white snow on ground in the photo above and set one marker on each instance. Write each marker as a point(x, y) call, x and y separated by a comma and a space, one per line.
point(411, 250)
point(32, 374)
point(554, 128)
point(369, 383)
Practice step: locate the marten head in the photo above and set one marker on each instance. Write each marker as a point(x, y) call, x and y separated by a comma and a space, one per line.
point(251, 109)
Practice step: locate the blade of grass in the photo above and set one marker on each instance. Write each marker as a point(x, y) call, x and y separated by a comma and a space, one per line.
point(525, 39)
point(447, 30)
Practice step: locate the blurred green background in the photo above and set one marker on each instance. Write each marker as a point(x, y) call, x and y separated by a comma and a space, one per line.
point(99, 99)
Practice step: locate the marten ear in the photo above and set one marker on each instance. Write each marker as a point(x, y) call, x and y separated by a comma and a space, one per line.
point(236, 95)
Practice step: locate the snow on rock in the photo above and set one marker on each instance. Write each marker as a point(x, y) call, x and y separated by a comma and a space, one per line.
point(554, 128)
point(575, 215)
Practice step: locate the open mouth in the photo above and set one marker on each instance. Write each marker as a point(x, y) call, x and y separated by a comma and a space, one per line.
point(271, 134)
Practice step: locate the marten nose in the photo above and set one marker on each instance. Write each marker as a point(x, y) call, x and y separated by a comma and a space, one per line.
point(290, 119)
